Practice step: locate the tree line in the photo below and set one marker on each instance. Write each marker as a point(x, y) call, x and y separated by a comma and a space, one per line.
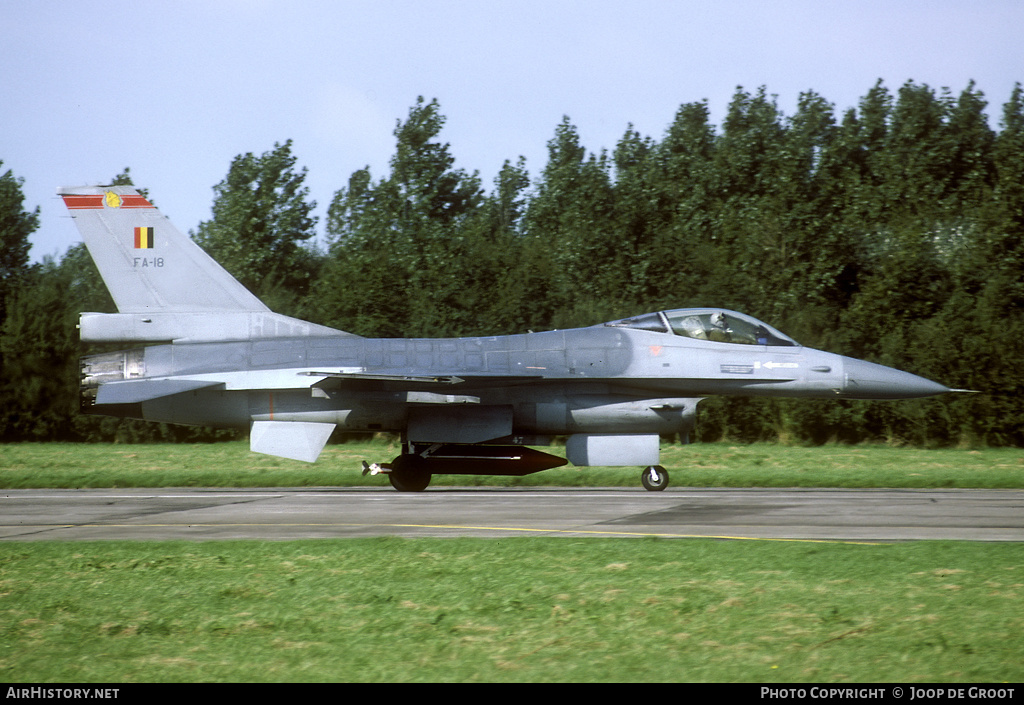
point(892, 232)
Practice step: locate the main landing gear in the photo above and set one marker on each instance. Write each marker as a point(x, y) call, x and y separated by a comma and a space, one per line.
point(406, 473)
point(654, 478)
point(409, 473)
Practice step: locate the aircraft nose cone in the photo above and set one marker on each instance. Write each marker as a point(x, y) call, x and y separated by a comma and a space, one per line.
point(866, 380)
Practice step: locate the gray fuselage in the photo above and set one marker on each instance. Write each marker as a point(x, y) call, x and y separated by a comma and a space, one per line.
point(601, 379)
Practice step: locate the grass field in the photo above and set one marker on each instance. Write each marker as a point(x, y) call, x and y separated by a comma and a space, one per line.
point(599, 610)
point(698, 465)
point(510, 610)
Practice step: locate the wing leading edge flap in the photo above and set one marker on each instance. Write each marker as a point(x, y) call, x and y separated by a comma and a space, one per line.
point(423, 379)
point(134, 391)
point(296, 440)
point(474, 379)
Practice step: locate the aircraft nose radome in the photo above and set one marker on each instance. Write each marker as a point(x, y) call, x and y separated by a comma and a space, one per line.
point(866, 380)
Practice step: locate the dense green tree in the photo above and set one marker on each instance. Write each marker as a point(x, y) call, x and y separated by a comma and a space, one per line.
point(16, 225)
point(635, 210)
point(398, 256)
point(262, 218)
point(437, 200)
point(434, 194)
point(506, 206)
point(681, 246)
point(1001, 247)
point(798, 257)
point(505, 284)
point(988, 325)
point(570, 216)
point(746, 160)
point(361, 285)
point(746, 174)
point(971, 164)
point(40, 351)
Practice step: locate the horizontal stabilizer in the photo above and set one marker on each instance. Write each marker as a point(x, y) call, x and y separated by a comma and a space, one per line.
point(296, 440)
point(196, 327)
point(134, 391)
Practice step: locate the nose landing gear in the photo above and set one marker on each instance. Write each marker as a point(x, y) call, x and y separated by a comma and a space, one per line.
point(654, 478)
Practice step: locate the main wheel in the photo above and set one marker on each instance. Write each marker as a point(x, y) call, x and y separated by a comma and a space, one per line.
point(409, 473)
point(654, 478)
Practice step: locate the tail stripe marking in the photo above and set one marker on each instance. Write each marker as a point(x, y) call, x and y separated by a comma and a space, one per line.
point(75, 202)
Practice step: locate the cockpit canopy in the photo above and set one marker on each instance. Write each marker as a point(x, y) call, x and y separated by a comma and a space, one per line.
point(715, 324)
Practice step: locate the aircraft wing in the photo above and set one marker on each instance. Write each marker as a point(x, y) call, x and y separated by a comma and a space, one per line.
point(133, 391)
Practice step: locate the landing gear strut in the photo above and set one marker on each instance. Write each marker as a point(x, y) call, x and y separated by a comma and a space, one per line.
point(654, 478)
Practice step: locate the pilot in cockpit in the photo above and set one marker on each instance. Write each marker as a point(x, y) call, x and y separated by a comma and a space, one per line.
point(719, 331)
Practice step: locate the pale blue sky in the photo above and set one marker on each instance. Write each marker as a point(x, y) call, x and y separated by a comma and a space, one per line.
point(175, 89)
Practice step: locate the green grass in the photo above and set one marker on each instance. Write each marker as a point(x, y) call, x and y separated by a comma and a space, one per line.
point(698, 465)
point(511, 610)
point(503, 610)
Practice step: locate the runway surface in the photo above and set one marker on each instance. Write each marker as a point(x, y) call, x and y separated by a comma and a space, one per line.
point(293, 513)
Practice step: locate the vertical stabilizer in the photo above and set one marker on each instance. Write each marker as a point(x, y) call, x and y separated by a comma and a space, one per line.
point(165, 286)
point(147, 264)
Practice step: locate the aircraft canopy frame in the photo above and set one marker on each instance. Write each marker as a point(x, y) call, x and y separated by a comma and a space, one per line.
point(714, 324)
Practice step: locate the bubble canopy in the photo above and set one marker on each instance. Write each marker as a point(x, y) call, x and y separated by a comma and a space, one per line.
point(713, 324)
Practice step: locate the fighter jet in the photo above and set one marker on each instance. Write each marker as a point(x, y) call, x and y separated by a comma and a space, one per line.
point(214, 355)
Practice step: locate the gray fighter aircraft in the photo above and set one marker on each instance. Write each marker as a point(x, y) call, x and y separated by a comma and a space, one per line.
point(217, 356)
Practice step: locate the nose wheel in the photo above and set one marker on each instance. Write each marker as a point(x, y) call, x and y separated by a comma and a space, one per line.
point(654, 478)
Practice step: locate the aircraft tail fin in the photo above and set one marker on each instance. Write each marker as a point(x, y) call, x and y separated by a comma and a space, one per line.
point(164, 285)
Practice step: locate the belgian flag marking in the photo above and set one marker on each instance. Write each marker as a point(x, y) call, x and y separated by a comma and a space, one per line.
point(143, 238)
